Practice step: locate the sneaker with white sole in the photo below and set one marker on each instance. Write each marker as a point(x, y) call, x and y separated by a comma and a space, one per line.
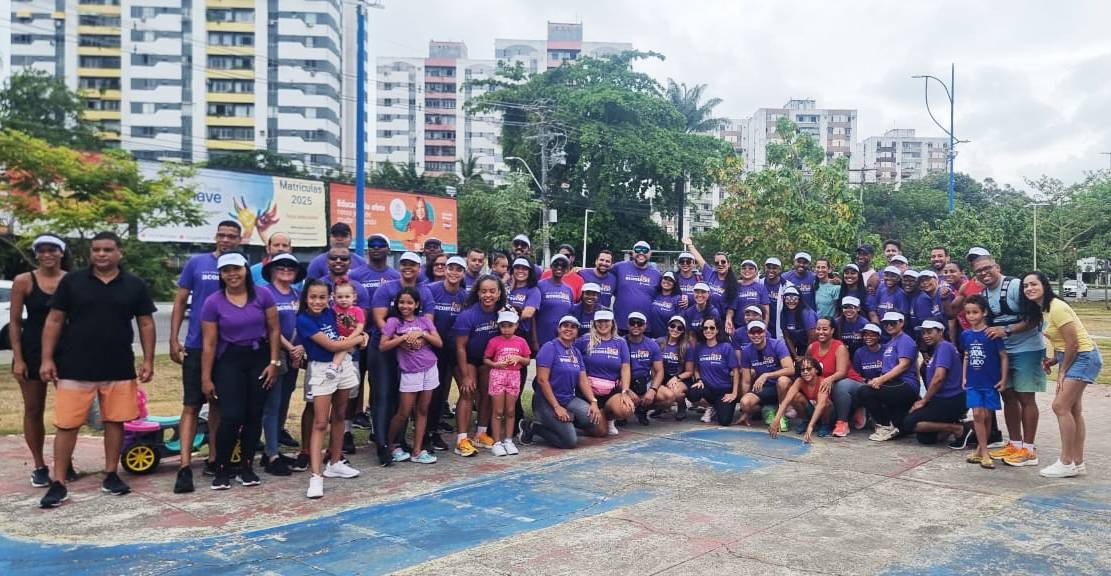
point(498, 449)
point(707, 416)
point(1060, 470)
point(510, 447)
point(612, 429)
point(316, 486)
point(1081, 469)
point(423, 458)
point(884, 434)
point(340, 470)
point(400, 455)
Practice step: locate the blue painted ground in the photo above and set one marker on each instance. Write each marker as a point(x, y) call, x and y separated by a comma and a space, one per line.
point(389, 536)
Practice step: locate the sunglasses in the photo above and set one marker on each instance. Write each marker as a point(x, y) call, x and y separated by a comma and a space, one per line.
point(848, 307)
point(756, 331)
point(721, 263)
point(640, 250)
point(520, 244)
point(807, 369)
point(636, 322)
point(708, 328)
point(889, 322)
point(377, 245)
point(686, 261)
point(678, 327)
point(339, 258)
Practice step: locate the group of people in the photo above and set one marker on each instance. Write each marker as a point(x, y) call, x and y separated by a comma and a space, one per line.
point(834, 349)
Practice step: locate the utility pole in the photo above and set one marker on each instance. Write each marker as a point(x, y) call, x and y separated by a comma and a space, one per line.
point(544, 230)
point(859, 232)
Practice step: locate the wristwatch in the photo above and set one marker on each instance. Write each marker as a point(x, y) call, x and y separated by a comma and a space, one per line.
point(275, 362)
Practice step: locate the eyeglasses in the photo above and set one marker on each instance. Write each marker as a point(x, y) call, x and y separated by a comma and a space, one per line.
point(985, 269)
point(708, 328)
point(686, 261)
point(678, 327)
point(339, 258)
point(721, 263)
point(641, 250)
point(636, 322)
point(807, 369)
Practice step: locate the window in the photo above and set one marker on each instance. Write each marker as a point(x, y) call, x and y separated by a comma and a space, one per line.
point(21, 38)
point(231, 62)
point(102, 104)
point(144, 12)
point(230, 15)
point(98, 62)
point(152, 83)
point(231, 86)
point(230, 133)
point(440, 135)
point(98, 20)
point(231, 38)
point(99, 83)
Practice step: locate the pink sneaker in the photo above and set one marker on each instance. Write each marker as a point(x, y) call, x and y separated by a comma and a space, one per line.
point(859, 418)
point(841, 429)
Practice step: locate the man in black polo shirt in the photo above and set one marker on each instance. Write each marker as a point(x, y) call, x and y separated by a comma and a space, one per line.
point(91, 314)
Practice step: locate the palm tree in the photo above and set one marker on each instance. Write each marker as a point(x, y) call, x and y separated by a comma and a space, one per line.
point(697, 113)
point(469, 170)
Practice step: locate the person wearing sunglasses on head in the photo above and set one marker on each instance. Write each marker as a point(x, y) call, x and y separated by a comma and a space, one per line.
point(636, 284)
point(677, 352)
point(717, 273)
point(339, 236)
point(646, 369)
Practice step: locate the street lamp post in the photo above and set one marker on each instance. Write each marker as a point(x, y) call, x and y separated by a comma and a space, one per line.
point(586, 223)
point(1108, 154)
point(950, 92)
point(543, 206)
point(1035, 205)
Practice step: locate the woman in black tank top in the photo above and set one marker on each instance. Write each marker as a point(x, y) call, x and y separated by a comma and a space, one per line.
point(32, 291)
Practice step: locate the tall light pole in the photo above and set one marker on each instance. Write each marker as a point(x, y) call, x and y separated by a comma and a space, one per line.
point(360, 124)
point(543, 205)
point(586, 223)
point(1035, 205)
point(950, 92)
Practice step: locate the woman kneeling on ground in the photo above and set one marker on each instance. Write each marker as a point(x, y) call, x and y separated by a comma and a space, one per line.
point(557, 411)
point(607, 367)
point(715, 374)
point(889, 396)
point(808, 399)
point(647, 369)
point(840, 381)
point(678, 359)
point(937, 415)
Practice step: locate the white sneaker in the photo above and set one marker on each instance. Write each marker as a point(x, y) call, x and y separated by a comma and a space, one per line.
point(884, 433)
point(510, 447)
point(316, 486)
point(339, 470)
point(707, 416)
point(1081, 469)
point(1060, 470)
point(612, 429)
point(498, 449)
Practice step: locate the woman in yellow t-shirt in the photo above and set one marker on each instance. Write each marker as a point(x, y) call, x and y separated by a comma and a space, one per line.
point(1078, 364)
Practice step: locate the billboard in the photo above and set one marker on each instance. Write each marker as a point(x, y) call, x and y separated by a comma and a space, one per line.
point(263, 205)
point(406, 218)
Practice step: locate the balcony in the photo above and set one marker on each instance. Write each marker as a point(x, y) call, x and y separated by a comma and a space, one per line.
point(217, 50)
point(99, 30)
point(98, 51)
point(219, 26)
point(98, 72)
point(105, 9)
point(240, 121)
point(237, 145)
point(97, 115)
point(246, 74)
point(231, 97)
point(230, 4)
point(99, 94)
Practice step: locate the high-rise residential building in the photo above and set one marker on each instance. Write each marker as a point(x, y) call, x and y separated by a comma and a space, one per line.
point(899, 155)
point(564, 43)
point(735, 132)
point(188, 79)
point(420, 114)
point(834, 130)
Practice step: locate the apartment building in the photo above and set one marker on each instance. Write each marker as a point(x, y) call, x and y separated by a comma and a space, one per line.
point(564, 43)
point(420, 115)
point(833, 129)
point(899, 155)
point(188, 79)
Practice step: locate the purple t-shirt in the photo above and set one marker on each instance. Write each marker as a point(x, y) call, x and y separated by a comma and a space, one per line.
point(984, 367)
point(754, 294)
point(694, 318)
point(556, 301)
point(202, 279)
point(479, 327)
point(308, 325)
point(867, 363)
point(287, 305)
point(767, 360)
point(946, 356)
point(372, 278)
point(717, 287)
point(566, 365)
point(740, 338)
point(447, 306)
point(902, 346)
point(318, 267)
point(237, 326)
point(807, 284)
point(673, 364)
point(606, 283)
point(797, 326)
point(584, 317)
point(411, 361)
point(662, 309)
point(887, 300)
point(521, 298)
point(715, 365)
point(605, 360)
point(686, 283)
point(851, 333)
point(641, 356)
point(773, 302)
point(634, 290)
point(928, 307)
point(384, 298)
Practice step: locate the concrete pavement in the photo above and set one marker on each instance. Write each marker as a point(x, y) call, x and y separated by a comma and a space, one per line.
point(674, 498)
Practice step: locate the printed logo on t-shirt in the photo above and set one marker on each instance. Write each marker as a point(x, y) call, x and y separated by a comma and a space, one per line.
point(976, 356)
point(558, 296)
point(765, 361)
point(641, 279)
point(286, 306)
point(602, 351)
point(210, 276)
point(640, 354)
point(454, 307)
point(489, 326)
point(874, 366)
point(569, 358)
point(710, 357)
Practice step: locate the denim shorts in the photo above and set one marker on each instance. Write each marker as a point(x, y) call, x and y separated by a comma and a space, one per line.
point(1085, 367)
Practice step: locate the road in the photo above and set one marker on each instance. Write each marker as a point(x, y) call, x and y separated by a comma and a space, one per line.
point(161, 330)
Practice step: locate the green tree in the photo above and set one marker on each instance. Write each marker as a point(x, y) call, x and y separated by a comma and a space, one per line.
point(406, 178)
point(257, 161)
point(76, 195)
point(489, 218)
point(41, 105)
point(698, 114)
point(796, 203)
point(625, 147)
point(1077, 215)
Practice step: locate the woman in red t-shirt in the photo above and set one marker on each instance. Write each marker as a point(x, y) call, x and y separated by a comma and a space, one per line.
point(839, 379)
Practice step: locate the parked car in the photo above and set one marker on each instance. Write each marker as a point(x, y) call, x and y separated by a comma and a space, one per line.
point(1075, 288)
point(5, 313)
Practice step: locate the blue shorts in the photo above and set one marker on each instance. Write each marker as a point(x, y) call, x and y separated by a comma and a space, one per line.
point(1085, 367)
point(987, 398)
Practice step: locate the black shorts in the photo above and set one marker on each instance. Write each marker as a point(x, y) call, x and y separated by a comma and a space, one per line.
point(640, 385)
point(769, 394)
point(948, 410)
point(191, 378)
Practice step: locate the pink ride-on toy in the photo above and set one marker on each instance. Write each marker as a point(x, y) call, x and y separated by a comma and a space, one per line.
point(145, 442)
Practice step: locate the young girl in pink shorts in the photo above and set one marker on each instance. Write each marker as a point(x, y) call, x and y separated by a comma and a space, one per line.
point(505, 356)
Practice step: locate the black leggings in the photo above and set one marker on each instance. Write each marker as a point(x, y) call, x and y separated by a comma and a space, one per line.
point(242, 398)
point(723, 411)
point(445, 361)
point(889, 404)
point(385, 389)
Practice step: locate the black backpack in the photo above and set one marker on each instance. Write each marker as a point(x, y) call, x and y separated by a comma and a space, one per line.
point(1004, 304)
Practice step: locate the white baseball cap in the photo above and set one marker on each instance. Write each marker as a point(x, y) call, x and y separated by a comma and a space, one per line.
point(934, 324)
point(756, 324)
point(688, 255)
point(603, 314)
point(789, 291)
point(701, 286)
point(231, 259)
point(634, 316)
point(642, 244)
point(755, 309)
point(522, 238)
point(591, 287)
point(677, 318)
point(927, 274)
point(669, 275)
point(559, 257)
point(48, 240)
point(893, 317)
point(773, 261)
point(409, 257)
point(869, 327)
point(508, 316)
point(803, 255)
point(852, 266)
point(521, 262)
point(749, 263)
point(899, 258)
point(977, 251)
point(910, 272)
point(892, 270)
point(850, 301)
point(457, 261)
point(569, 319)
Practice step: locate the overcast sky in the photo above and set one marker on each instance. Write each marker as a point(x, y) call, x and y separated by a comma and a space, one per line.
point(1033, 80)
